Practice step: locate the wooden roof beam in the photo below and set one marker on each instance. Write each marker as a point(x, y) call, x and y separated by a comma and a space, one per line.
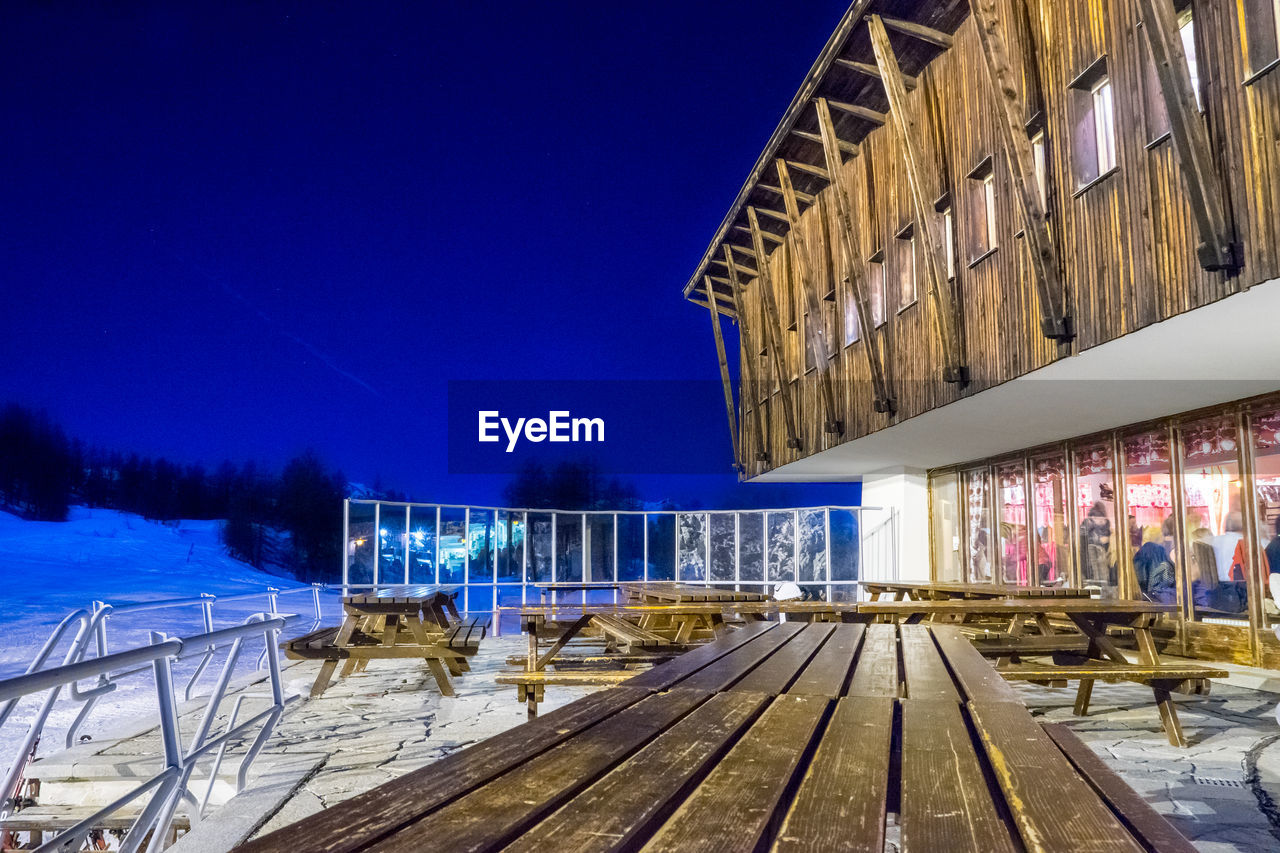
point(771, 320)
point(773, 214)
point(748, 388)
point(919, 31)
point(737, 267)
point(1002, 85)
point(846, 147)
point(804, 197)
point(908, 82)
point(815, 328)
point(910, 136)
point(816, 171)
point(861, 112)
point(767, 235)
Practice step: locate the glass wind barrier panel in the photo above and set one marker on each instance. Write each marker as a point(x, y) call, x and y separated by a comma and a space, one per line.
point(1052, 524)
point(422, 544)
point(751, 546)
point(599, 549)
point(724, 546)
point(845, 537)
point(1152, 525)
point(391, 543)
point(662, 547)
point(692, 555)
point(780, 563)
point(1264, 430)
point(501, 556)
point(540, 543)
point(1096, 509)
point(812, 549)
point(1215, 522)
point(631, 547)
point(453, 545)
point(360, 544)
point(568, 547)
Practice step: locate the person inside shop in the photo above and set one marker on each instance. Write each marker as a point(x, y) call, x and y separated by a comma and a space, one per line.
point(1095, 546)
point(1273, 564)
point(1154, 568)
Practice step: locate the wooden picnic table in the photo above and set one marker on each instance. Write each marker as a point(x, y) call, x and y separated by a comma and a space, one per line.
point(686, 593)
point(397, 622)
point(776, 736)
point(1087, 654)
point(901, 590)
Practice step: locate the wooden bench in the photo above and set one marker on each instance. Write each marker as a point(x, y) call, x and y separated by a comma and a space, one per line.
point(775, 736)
point(465, 637)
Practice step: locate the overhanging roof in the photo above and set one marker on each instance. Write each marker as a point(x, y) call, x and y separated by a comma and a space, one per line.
point(843, 75)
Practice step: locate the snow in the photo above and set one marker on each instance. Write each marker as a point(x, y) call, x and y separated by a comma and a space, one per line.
point(49, 569)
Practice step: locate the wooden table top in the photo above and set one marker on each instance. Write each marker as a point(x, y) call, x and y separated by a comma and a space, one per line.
point(775, 736)
point(977, 590)
point(683, 592)
point(1012, 606)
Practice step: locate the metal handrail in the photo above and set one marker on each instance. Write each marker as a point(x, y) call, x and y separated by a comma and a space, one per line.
point(171, 785)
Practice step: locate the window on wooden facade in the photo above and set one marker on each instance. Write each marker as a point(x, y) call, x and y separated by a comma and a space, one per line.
point(949, 238)
point(1261, 33)
point(982, 210)
point(850, 319)
point(1042, 167)
point(875, 288)
point(1157, 115)
point(1095, 135)
point(905, 246)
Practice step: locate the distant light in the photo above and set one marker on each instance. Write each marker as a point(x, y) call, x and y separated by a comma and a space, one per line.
point(383, 531)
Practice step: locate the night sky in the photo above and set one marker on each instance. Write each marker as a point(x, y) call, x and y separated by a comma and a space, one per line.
point(238, 230)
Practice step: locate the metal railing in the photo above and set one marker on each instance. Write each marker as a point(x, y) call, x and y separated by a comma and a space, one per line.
point(172, 784)
point(498, 555)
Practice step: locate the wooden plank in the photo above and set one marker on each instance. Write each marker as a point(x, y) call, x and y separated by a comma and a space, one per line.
point(864, 113)
point(1144, 822)
point(923, 672)
point(815, 327)
point(855, 272)
point(1011, 126)
point(937, 38)
point(735, 805)
point(665, 675)
point(828, 671)
point(841, 801)
point(910, 137)
point(876, 670)
point(1116, 611)
point(372, 815)
point(781, 668)
point(867, 69)
point(497, 813)
point(618, 812)
point(1053, 808)
point(771, 321)
point(976, 677)
point(727, 385)
point(846, 147)
point(1217, 249)
point(724, 672)
point(946, 803)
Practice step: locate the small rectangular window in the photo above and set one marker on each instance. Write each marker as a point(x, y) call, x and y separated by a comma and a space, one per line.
point(949, 239)
point(1104, 124)
point(850, 319)
point(906, 248)
point(1186, 29)
point(981, 206)
point(1157, 114)
point(1042, 174)
point(875, 288)
point(989, 200)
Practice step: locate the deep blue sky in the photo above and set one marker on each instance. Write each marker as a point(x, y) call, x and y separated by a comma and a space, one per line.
point(236, 230)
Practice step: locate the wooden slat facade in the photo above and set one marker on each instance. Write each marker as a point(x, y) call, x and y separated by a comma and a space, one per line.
point(1127, 242)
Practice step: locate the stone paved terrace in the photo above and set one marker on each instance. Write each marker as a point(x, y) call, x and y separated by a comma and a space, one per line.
point(374, 726)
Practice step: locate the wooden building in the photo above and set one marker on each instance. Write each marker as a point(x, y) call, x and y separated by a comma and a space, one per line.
point(1013, 264)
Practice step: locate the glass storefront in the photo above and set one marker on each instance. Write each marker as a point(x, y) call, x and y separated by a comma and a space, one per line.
point(1096, 509)
point(1183, 511)
point(1052, 524)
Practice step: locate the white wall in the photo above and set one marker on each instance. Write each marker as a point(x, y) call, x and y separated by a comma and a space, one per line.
point(906, 491)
